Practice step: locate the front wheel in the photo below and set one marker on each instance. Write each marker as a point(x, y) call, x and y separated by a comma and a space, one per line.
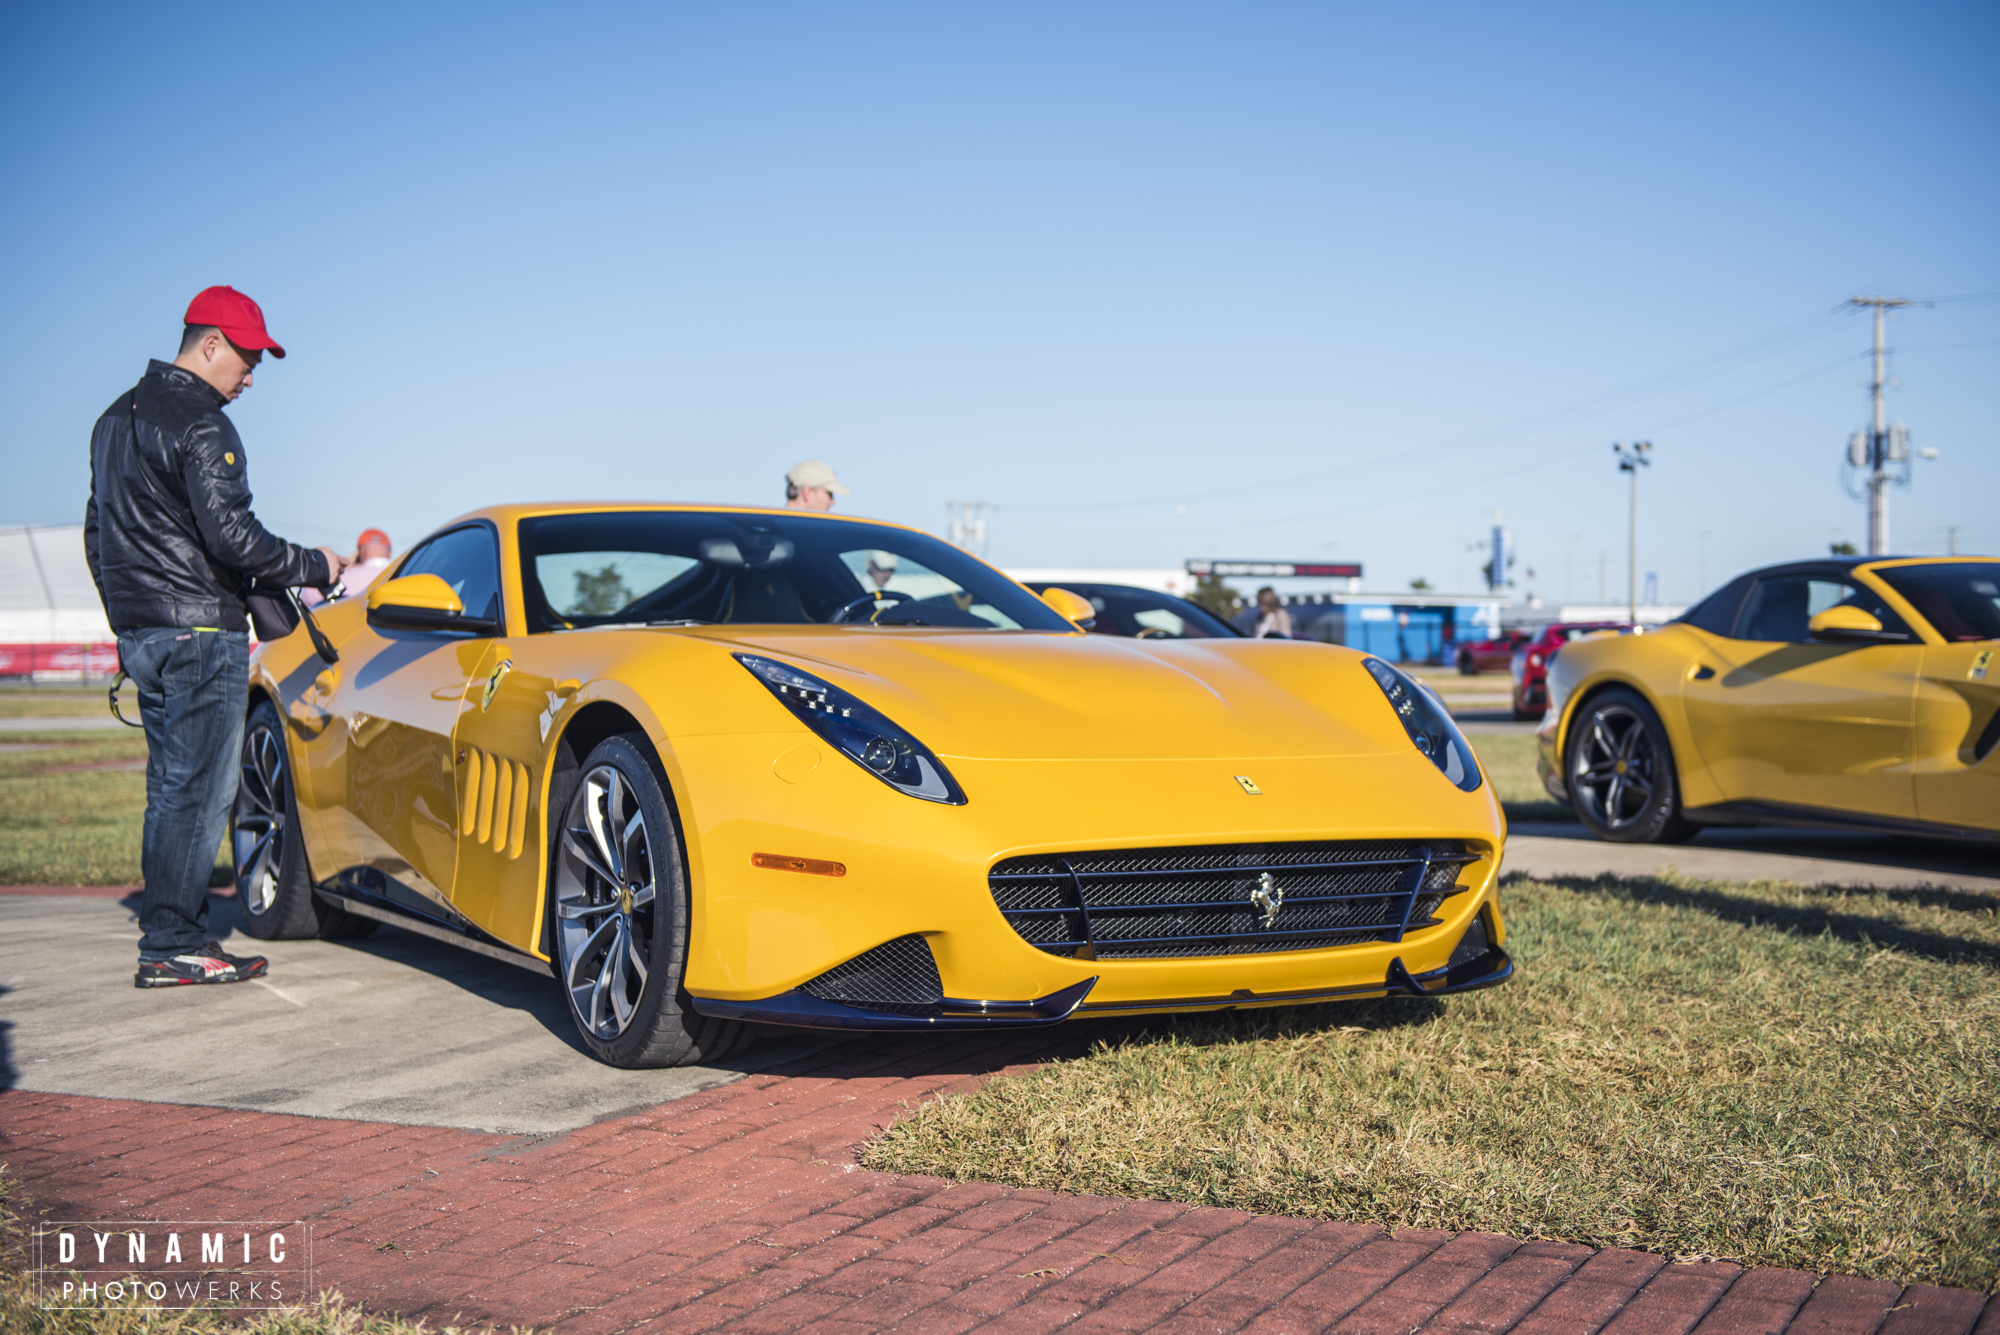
point(273, 886)
point(618, 916)
point(1466, 667)
point(1621, 777)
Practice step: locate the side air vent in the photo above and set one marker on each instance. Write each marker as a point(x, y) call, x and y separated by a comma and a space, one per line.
point(899, 976)
point(493, 805)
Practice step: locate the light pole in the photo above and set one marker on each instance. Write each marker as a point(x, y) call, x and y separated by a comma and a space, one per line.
point(1631, 458)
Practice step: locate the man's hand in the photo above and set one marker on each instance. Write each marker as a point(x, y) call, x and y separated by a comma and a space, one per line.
point(335, 564)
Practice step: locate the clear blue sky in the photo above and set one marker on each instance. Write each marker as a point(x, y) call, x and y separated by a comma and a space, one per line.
point(1338, 280)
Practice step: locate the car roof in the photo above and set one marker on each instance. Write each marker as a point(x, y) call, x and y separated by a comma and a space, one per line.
point(511, 512)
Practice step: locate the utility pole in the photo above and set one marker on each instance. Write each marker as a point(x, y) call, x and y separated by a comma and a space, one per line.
point(968, 525)
point(1630, 460)
point(1876, 458)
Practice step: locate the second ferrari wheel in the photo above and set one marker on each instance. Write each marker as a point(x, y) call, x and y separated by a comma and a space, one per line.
point(618, 916)
point(1621, 776)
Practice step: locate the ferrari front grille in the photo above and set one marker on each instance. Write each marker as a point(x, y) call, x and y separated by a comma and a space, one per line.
point(899, 976)
point(1227, 899)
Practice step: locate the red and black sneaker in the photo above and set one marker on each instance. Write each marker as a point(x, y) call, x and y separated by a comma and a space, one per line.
point(204, 964)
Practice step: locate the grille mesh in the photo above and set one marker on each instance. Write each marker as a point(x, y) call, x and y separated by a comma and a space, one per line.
point(899, 976)
point(1167, 902)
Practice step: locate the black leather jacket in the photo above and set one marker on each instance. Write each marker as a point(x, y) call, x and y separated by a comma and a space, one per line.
point(168, 531)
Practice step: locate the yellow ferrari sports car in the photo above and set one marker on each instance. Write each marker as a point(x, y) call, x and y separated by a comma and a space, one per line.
point(1841, 693)
point(714, 766)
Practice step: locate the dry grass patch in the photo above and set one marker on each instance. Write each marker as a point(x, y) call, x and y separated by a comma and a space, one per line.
point(1767, 1073)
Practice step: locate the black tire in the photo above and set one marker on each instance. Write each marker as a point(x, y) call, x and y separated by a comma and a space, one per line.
point(273, 885)
point(618, 914)
point(1619, 770)
point(1466, 667)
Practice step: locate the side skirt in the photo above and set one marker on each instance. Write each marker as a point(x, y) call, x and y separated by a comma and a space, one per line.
point(1816, 818)
point(351, 892)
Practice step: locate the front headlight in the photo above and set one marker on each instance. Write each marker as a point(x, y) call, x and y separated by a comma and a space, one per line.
point(858, 732)
point(1429, 725)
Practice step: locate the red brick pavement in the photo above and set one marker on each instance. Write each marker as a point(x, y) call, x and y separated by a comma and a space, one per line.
point(742, 1210)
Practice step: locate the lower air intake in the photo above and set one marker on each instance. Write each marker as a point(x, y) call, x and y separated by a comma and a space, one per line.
point(1228, 899)
point(899, 976)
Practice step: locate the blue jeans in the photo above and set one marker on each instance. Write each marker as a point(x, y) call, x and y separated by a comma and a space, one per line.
point(193, 688)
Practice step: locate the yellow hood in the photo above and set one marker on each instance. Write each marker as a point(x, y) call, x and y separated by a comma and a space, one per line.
point(1019, 696)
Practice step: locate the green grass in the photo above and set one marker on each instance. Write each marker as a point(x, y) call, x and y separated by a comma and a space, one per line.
point(1767, 1073)
point(1509, 760)
point(62, 826)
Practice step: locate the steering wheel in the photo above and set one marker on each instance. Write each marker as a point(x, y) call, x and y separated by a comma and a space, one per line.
point(1153, 633)
point(874, 600)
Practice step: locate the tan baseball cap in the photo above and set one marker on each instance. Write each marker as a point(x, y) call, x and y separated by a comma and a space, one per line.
point(816, 473)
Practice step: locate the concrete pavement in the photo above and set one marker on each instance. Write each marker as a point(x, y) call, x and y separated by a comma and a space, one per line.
point(391, 1028)
point(91, 724)
point(1810, 857)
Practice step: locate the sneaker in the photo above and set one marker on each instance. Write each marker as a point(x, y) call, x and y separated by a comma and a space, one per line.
point(203, 964)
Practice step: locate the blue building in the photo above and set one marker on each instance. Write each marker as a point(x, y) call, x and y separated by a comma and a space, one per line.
point(1401, 627)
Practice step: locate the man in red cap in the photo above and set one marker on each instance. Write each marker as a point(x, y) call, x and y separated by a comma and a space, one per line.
point(173, 546)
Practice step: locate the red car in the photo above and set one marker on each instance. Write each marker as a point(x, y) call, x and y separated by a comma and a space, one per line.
point(1490, 655)
point(1531, 660)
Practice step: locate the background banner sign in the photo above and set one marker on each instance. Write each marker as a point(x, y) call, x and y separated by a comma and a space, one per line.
point(149, 1263)
point(1278, 569)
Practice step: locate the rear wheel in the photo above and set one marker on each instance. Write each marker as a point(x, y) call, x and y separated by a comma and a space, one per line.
point(618, 915)
point(1620, 772)
point(273, 886)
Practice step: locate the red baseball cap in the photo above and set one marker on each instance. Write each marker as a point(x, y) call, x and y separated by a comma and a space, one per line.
point(371, 534)
point(240, 318)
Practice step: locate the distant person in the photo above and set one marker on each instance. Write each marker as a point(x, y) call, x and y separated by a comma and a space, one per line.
point(1273, 621)
point(881, 568)
point(371, 558)
point(812, 486)
point(172, 545)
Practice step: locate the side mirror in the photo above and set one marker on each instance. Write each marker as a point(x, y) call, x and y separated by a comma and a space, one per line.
point(1846, 624)
point(1071, 606)
point(421, 602)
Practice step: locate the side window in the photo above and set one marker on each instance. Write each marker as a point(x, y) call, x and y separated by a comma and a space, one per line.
point(1779, 609)
point(466, 559)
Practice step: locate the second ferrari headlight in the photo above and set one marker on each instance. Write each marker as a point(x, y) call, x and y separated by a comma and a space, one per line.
point(1428, 723)
point(859, 732)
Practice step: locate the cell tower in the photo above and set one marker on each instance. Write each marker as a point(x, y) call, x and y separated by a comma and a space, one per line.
point(1880, 449)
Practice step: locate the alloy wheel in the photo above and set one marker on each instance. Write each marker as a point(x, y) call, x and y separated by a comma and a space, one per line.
point(606, 896)
point(1614, 767)
point(257, 841)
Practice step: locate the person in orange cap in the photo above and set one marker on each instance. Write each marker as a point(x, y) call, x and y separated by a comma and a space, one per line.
point(371, 558)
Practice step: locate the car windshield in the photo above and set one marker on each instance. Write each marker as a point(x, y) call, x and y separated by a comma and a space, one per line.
point(1961, 599)
point(1143, 614)
point(652, 566)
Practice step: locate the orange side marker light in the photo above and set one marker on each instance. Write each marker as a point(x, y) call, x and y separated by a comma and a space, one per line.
point(810, 866)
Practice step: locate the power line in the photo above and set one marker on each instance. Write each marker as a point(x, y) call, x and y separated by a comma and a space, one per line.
point(1752, 350)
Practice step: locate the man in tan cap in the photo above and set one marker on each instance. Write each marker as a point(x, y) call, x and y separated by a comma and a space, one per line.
point(812, 486)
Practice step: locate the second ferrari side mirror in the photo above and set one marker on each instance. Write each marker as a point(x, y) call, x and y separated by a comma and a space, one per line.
point(1846, 624)
point(1071, 606)
point(421, 602)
